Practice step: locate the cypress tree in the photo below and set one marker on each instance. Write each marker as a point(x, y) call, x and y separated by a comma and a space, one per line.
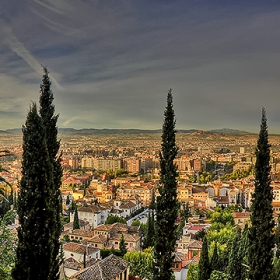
point(123, 249)
point(150, 231)
point(76, 224)
point(204, 269)
point(243, 253)
point(167, 205)
point(47, 113)
point(235, 263)
point(34, 250)
point(215, 259)
point(260, 254)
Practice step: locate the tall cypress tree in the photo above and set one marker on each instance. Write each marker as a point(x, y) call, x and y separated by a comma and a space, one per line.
point(204, 267)
point(260, 254)
point(167, 205)
point(123, 249)
point(76, 224)
point(215, 259)
point(34, 251)
point(234, 268)
point(47, 113)
point(150, 231)
point(242, 254)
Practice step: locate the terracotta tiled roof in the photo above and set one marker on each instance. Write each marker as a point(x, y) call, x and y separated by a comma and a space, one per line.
point(98, 239)
point(106, 269)
point(79, 248)
point(72, 264)
point(194, 244)
point(89, 208)
point(82, 232)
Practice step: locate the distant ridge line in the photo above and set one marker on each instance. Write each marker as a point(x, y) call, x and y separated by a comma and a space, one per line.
point(88, 131)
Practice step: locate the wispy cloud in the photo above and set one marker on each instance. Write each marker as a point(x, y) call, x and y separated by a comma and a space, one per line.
point(111, 63)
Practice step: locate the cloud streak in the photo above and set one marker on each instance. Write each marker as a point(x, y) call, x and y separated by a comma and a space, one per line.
point(111, 64)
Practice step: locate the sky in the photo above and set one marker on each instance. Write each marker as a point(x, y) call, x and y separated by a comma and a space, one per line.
point(112, 62)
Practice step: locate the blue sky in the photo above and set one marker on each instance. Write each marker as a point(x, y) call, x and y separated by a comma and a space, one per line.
point(112, 62)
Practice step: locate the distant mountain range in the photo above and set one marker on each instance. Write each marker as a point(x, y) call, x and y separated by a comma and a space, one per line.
point(90, 131)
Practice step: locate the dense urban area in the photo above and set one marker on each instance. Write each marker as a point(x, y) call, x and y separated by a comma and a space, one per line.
point(109, 189)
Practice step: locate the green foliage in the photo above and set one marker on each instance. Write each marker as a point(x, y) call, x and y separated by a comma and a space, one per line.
point(7, 246)
point(35, 246)
point(218, 275)
point(222, 227)
point(67, 200)
point(204, 268)
point(237, 174)
point(261, 241)
point(215, 259)
point(184, 214)
point(76, 224)
point(135, 223)
point(106, 252)
point(167, 205)
point(275, 275)
point(111, 219)
point(234, 268)
point(123, 249)
point(192, 271)
point(141, 263)
point(49, 119)
point(150, 231)
point(205, 177)
point(39, 202)
point(200, 234)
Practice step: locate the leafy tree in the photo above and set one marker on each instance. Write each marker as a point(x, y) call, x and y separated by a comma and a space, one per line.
point(261, 241)
point(35, 243)
point(111, 219)
point(192, 271)
point(123, 249)
point(76, 224)
point(219, 275)
point(204, 268)
point(136, 223)
point(141, 263)
point(49, 119)
point(275, 275)
point(167, 205)
point(7, 246)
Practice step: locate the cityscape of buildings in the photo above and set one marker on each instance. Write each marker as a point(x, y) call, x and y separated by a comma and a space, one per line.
point(119, 175)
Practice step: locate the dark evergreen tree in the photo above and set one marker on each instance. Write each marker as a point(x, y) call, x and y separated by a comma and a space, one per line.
point(153, 202)
point(261, 241)
point(76, 224)
point(234, 268)
point(149, 241)
point(67, 200)
point(243, 253)
point(47, 113)
point(123, 249)
point(277, 239)
point(215, 259)
point(204, 267)
point(35, 244)
point(167, 205)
